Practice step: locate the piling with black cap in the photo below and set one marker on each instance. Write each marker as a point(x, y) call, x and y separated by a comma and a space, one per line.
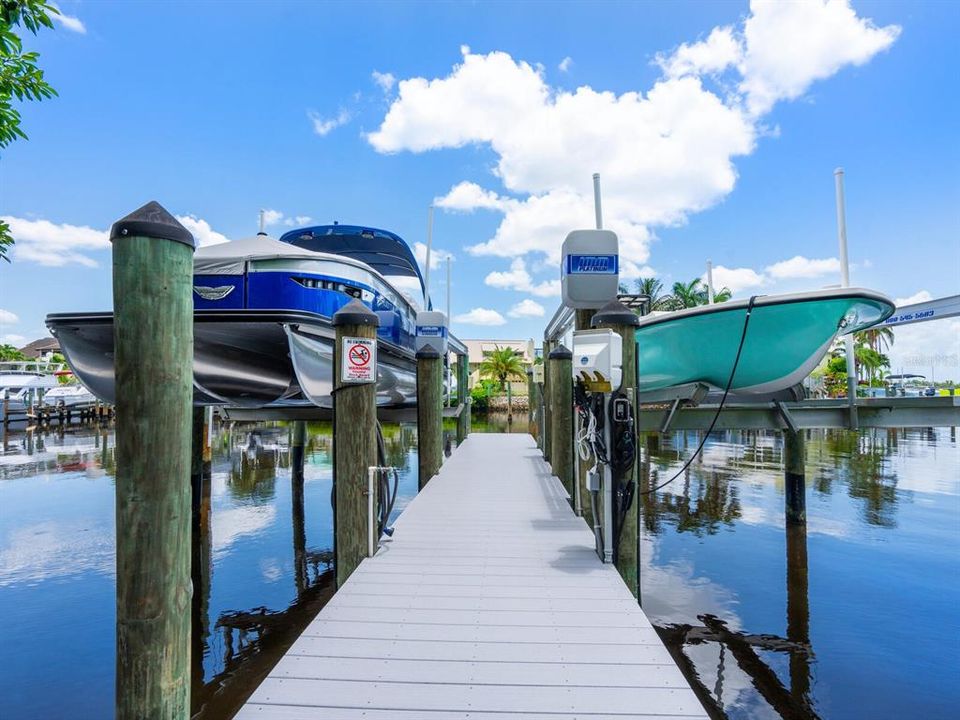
point(153, 365)
point(619, 318)
point(429, 413)
point(547, 445)
point(354, 439)
point(560, 367)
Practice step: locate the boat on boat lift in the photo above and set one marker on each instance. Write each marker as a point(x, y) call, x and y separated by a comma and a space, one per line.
point(263, 309)
point(22, 383)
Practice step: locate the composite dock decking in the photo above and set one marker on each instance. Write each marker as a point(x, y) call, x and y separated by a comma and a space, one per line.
point(488, 602)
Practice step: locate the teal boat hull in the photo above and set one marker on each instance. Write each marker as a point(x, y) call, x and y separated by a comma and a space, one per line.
point(787, 337)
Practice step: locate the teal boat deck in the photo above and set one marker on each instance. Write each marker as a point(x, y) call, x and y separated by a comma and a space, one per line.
point(488, 601)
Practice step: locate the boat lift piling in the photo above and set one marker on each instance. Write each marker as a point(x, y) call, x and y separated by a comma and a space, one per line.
point(559, 366)
point(354, 440)
point(794, 455)
point(547, 444)
point(429, 413)
point(463, 396)
point(153, 337)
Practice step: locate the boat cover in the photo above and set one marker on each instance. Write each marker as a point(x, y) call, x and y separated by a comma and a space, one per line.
point(231, 258)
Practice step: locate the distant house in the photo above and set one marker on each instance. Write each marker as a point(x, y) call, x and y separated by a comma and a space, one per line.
point(41, 349)
point(477, 350)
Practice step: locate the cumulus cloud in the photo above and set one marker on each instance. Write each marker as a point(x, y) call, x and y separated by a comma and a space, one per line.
point(663, 152)
point(518, 278)
point(736, 279)
point(917, 297)
point(74, 24)
point(271, 217)
point(801, 267)
point(526, 309)
point(298, 221)
point(385, 81)
point(202, 233)
point(324, 126)
point(437, 256)
point(480, 316)
point(565, 64)
point(13, 339)
point(8, 318)
point(55, 244)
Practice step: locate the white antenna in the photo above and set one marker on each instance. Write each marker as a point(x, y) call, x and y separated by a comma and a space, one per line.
point(710, 281)
point(426, 278)
point(596, 201)
point(845, 282)
point(263, 222)
point(449, 369)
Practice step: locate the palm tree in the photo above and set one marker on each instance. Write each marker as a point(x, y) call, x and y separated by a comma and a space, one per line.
point(500, 364)
point(653, 289)
point(722, 295)
point(690, 294)
point(878, 338)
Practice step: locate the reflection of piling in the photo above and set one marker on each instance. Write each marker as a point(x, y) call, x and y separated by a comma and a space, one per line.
point(623, 321)
point(798, 610)
point(354, 442)
point(297, 453)
point(561, 402)
point(153, 339)
point(429, 413)
point(463, 390)
point(794, 452)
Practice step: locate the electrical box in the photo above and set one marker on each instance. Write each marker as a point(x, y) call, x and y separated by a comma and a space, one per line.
point(538, 373)
point(598, 359)
point(590, 269)
point(432, 331)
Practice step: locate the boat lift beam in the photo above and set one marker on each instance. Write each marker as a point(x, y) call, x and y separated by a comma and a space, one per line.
point(936, 309)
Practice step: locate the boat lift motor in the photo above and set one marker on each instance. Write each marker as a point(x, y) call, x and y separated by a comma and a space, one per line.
point(432, 331)
point(590, 268)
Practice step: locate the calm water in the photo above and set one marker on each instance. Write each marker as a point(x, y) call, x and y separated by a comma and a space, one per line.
point(869, 631)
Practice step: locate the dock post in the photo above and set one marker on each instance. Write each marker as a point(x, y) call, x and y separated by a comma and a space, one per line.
point(561, 399)
point(530, 398)
point(463, 390)
point(623, 321)
point(354, 441)
point(429, 414)
point(153, 338)
point(795, 499)
point(547, 444)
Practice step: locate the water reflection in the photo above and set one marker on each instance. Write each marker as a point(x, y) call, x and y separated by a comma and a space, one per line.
point(709, 578)
point(261, 561)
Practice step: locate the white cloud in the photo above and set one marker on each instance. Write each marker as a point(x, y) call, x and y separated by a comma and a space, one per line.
point(437, 256)
point(917, 297)
point(14, 339)
point(517, 278)
point(527, 308)
point(385, 81)
point(801, 267)
point(8, 318)
point(202, 233)
point(298, 221)
point(565, 64)
point(324, 126)
point(736, 279)
point(55, 244)
point(74, 24)
point(480, 316)
point(663, 153)
point(271, 217)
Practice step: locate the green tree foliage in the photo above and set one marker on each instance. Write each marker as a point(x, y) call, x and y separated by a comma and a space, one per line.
point(21, 79)
point(501, 364)
point(9, 352)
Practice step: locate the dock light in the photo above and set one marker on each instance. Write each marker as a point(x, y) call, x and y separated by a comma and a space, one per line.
point(590, 268)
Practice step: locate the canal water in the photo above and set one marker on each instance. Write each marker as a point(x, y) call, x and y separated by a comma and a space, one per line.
point(857, 617)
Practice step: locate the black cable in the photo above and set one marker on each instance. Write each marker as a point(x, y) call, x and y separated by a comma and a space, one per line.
point(723, 399)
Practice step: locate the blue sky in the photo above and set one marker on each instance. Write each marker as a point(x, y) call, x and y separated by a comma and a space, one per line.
point(716, 127)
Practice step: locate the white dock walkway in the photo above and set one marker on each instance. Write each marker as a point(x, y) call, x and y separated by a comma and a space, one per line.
point(489, 602)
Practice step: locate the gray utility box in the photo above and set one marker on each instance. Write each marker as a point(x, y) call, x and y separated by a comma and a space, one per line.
point(431, 330)
point(590, 269)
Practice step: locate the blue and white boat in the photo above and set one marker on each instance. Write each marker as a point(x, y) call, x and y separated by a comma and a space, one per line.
point(262, 320)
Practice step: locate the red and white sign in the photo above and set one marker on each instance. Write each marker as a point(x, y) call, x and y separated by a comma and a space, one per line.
point(359, 361)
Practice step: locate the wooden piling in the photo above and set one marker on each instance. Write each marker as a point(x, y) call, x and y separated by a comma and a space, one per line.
point(547, 445)
point(153, 340)
point(795, 496)
point(559, 365)
point(354, 442)
point(463, 390)
point(623, 321)
point(429, 414)
point(298, 439)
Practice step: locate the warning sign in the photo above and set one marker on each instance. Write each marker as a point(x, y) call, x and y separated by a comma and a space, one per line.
point(359, 361)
